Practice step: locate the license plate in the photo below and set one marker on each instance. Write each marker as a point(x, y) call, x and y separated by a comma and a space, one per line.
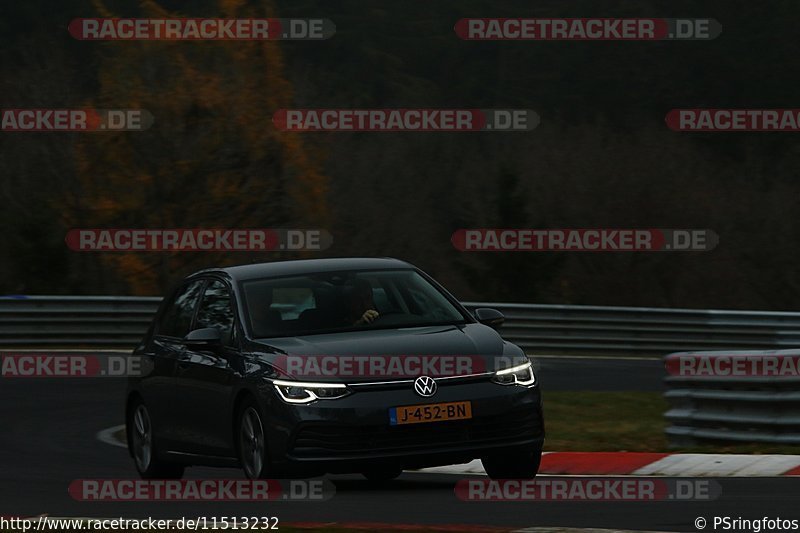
point(433, 412)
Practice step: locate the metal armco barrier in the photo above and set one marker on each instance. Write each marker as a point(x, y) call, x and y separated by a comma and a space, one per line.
point(579, 329)
point(75, 321)
point(735, 396)
point(111, 321)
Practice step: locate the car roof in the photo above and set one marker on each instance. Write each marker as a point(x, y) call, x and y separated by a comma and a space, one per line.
point(304, 266)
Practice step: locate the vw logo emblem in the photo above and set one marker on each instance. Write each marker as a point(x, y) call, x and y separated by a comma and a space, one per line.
point(425, 386)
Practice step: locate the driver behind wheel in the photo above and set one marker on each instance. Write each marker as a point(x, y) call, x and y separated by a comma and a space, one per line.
point(360, 303)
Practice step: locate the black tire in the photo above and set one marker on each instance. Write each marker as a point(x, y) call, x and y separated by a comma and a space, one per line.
point(142, 446)
point(251, 442)
point(382, 475)
point(513, 464)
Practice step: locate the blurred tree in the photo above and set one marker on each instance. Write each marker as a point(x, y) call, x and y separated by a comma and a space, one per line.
point(601, 156)
point(212, 158)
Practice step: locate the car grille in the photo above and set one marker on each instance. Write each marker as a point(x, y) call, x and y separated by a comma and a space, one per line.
point(327, 440)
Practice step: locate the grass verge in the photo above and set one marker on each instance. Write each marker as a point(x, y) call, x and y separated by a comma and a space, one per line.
point(623, 421)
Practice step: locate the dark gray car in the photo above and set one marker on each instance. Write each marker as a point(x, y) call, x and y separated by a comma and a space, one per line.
point(329, 365)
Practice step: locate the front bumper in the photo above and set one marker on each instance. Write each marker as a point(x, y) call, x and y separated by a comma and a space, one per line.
point(352, 433)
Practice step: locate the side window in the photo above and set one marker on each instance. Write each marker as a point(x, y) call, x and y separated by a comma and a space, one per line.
point(178, 317)
point(216, 311)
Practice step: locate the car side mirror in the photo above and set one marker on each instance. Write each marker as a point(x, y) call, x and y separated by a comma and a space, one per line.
point(203, 339)
point(490, 317)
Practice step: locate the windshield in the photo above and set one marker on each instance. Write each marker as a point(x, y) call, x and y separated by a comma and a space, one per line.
point(340, 301)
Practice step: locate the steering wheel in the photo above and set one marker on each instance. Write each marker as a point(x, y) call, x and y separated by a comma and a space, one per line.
point(387, 313)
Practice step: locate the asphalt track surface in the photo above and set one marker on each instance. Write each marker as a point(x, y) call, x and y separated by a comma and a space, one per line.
point(560, 373)
point(48, 439)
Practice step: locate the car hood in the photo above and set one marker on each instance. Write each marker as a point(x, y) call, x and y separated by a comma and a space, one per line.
point(467, 348)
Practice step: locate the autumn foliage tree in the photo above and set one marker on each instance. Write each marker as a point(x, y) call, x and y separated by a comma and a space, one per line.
point(211, 159)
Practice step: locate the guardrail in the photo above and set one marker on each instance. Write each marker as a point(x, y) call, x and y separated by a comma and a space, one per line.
point(120, 321)
point(642, 330)
point(739, 396)
point(75, 321)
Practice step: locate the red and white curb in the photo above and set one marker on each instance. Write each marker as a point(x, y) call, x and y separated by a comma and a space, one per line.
point(650, 464)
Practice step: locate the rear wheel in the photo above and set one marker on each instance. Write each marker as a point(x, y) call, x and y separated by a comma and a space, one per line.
point(142, 442)
point(251, 441)
point(519, 463)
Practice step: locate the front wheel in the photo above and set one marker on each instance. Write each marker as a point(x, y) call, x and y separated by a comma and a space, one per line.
point(251, 441)
point(521, 463)
point(142, 443)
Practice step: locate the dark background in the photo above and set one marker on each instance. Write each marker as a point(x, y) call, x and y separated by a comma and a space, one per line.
point(601, 157)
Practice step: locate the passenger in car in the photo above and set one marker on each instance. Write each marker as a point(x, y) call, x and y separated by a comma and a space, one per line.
point(265, 320)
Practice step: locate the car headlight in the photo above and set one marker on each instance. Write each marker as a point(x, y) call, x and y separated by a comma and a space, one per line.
point(517, 375)
point(302, 392)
